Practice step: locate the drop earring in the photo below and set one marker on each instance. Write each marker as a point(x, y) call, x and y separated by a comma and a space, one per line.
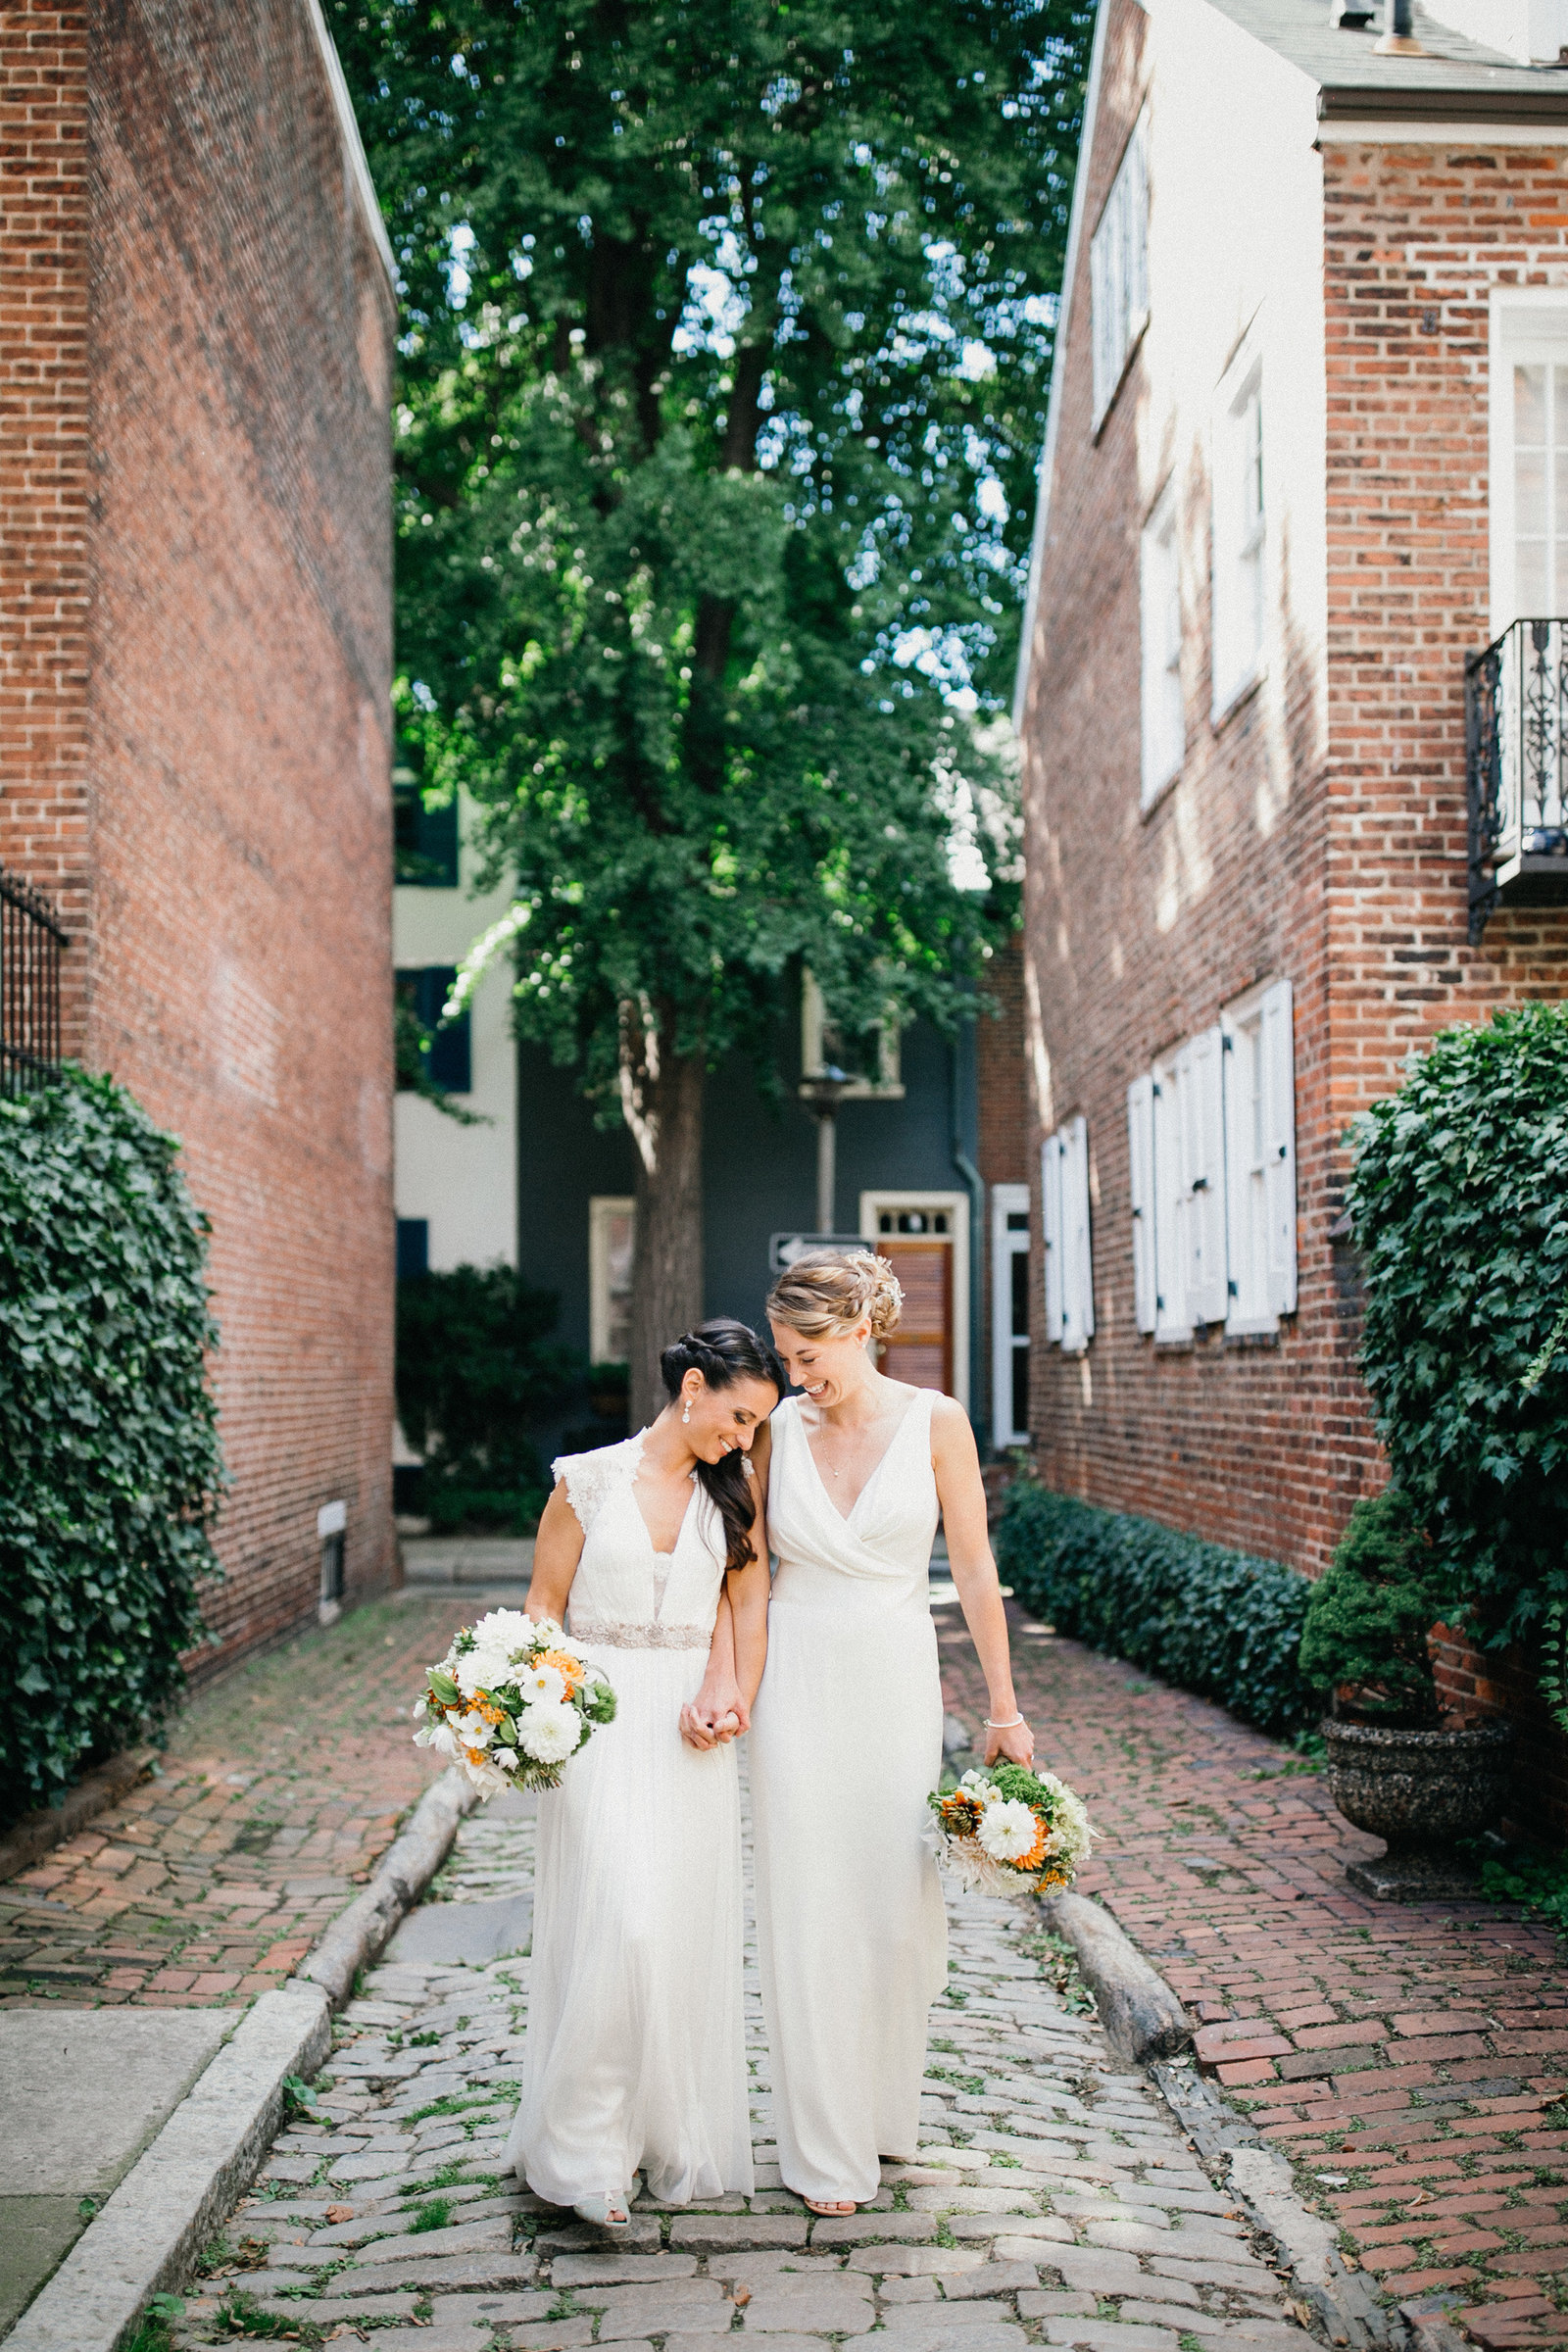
point(687, 1415)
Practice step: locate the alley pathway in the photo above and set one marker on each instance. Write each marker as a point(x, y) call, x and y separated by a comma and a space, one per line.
point(1053, 2201)
point(1412, 2060)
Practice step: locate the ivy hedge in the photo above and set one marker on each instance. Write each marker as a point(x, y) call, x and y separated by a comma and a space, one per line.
point(107, 1430)
point(1459, 1208)
point(1203, 1617)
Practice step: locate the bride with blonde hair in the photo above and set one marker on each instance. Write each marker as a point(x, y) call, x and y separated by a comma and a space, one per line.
point(846, 1734)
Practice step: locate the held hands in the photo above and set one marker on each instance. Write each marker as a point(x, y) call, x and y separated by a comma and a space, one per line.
point(1014, 1744)
point(715, 1716)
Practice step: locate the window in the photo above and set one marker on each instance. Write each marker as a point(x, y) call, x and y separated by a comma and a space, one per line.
point(425, 840)
point(331, 1533)
point(1212, 1147)
point(1159, 594)
point(1529, 459)
point(611, 1229)
point(443, 1047)
point(413, 1247)
point(872, 1062)
point(1260, 1158)
point(1119, 273)
point(1009, 1314)
point(1064, 1218)
point(1239, 529)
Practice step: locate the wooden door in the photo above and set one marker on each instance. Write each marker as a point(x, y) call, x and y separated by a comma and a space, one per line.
point(921, 1350)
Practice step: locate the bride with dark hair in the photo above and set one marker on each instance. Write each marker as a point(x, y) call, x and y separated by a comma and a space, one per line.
point(635, 2057)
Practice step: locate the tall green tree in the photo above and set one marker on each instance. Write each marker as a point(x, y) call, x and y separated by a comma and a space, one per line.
point(727, 334)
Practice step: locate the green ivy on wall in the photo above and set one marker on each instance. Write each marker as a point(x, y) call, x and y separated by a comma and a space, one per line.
point(1459, 1208)
point(108, 1430)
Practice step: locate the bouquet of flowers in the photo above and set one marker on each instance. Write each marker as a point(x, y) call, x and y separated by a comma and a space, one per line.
point(511, 1701)
point(1009, 1827)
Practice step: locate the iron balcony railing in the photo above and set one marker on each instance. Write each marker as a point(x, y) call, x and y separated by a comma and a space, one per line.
point(30, 940)
point(1516, 696)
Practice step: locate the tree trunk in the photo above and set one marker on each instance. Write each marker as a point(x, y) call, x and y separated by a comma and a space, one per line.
point(661, 1098)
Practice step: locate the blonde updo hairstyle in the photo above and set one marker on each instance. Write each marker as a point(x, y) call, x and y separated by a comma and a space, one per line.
point(827, 1292)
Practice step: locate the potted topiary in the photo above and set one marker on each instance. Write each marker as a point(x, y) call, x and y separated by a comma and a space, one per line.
point(1397, 1767)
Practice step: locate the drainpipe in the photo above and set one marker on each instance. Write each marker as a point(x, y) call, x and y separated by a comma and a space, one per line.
point(961, 1063)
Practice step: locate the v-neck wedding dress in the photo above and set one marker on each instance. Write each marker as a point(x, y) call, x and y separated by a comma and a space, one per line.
point(846, 1744)
point(636, 2055)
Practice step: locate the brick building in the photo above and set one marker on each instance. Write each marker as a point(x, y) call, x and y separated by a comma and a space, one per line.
point(195, 565)
point(1301, 463)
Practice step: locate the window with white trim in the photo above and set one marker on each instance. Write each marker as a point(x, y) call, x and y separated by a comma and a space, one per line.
point(1069, 1240)
point(612, 1231)
point(1241, 528)
point(871, 1064)
point(1212, 1146)
point(1164, 711)
point(1119, 273)
point(1529, 460)
point(1010, 1315)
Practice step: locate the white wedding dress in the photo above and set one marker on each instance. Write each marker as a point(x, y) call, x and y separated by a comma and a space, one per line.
point(846, 1744)
point(636, 2057)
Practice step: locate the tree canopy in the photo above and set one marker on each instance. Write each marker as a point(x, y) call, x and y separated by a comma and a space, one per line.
point(728, 326)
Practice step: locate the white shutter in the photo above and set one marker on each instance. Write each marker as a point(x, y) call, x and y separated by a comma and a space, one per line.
point(1203, 1137)
point(1170, 1205)
point(1051, 1225)
point(1078, 1278)
point(1276, 1046)
point(1141, 1161)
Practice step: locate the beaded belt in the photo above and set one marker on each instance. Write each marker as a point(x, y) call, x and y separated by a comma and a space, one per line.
point(639, 1637)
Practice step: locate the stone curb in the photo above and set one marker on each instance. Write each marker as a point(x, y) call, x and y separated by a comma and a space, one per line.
point(174, 2196)
point(36, 1834)
point(1142, 2016)
point(356, 1936)
point(1343, 2302)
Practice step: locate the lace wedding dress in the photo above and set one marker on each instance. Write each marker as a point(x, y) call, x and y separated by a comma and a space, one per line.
point(635, 2056)
point(846, 1744)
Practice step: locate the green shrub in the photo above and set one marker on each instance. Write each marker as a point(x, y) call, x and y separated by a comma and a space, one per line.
point(1208, 1619)
point(1370, 1612)
point(107, 1430)
point(1459, 1208)
point(478, 1362)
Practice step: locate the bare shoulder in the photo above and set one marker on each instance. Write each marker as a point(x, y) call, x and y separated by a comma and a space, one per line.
point(948, 1419)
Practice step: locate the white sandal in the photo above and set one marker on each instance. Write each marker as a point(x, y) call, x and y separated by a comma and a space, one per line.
point(608, 2212)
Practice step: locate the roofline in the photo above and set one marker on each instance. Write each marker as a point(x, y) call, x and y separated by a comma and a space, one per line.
point(1345, 102)
point(353, 144)
point(1069, 273)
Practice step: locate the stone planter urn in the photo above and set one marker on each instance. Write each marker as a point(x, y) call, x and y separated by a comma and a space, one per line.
point(1421, 1792)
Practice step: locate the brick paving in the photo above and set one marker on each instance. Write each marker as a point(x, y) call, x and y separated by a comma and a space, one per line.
point(281, 1786)
point(1409, 2059)
point(1053, 2201)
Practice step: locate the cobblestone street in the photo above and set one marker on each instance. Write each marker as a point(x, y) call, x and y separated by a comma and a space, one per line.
point(280, 1788)
point(1053, 2200)
point(1410, 2059)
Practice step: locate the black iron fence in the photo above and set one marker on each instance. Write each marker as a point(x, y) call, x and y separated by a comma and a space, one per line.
point(30, 940)
point(1516, 696)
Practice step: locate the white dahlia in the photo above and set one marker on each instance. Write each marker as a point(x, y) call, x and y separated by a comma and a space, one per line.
point(1009, 1830)
point(506, 1631)
point(550, 1731)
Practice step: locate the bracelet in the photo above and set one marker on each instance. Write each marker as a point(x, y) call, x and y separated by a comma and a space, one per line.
point(1014, 1725)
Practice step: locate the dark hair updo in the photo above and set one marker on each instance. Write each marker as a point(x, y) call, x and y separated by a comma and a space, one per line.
point(724, 1352)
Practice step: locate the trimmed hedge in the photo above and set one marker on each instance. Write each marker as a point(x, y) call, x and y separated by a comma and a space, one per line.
point(1207, 1619)
point(107, 1431)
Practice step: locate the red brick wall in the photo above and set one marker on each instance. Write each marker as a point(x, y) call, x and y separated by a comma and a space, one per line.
point(45, 482)
point(195, 568)
point(241, 329)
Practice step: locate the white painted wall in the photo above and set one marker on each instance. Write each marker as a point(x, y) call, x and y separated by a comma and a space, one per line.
point(462, 1179)
point(1534, 31)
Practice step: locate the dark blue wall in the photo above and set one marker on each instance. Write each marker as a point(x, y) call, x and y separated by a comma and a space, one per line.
point(759, 1168)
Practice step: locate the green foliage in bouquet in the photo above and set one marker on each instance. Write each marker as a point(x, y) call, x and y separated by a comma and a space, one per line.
point(1369, 1614)
point(1459, 1208)
point(108, 1430)
point(477, 1361)
point(1197, 1614)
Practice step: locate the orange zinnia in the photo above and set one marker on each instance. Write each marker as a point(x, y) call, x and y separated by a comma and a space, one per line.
point(569, 1669)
